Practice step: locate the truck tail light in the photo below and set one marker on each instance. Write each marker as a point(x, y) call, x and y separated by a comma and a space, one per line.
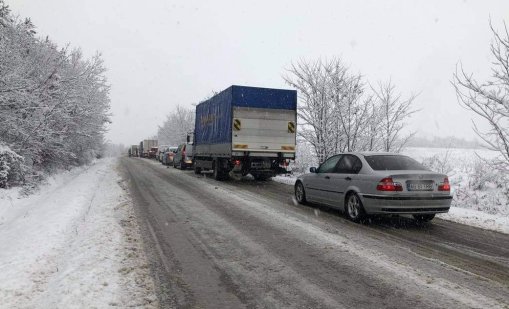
point(387, 184)
point(444, 186)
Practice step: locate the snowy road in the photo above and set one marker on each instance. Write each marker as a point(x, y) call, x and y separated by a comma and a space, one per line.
point(246, 244)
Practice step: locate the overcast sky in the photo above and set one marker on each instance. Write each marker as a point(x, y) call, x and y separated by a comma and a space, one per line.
point(161, 53)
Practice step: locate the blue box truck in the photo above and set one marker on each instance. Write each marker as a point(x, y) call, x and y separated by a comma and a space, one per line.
point(245, 130)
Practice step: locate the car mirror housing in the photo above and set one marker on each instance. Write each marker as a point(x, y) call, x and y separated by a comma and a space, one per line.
point(312, 170)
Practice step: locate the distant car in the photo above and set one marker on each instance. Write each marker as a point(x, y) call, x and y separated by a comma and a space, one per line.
point(168, 155)
point(184, 156)
point(160, 152)
point(361, 184)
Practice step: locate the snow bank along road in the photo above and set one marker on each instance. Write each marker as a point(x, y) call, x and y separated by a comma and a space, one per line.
point(247, 244)
point(75, 244)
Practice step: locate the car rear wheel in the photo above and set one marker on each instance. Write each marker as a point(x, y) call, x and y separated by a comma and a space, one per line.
point(300, 193)
point(354, 209)
point(424, 218)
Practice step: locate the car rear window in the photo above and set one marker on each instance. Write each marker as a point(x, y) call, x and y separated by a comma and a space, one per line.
point(393, 163)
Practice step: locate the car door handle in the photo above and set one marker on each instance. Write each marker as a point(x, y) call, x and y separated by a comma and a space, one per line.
point(348, 178)
point(327, 177)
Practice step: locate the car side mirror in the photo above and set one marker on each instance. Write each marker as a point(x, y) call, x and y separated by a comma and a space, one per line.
point(312, 170)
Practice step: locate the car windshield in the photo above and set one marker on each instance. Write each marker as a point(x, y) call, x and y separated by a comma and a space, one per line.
point(393, 163)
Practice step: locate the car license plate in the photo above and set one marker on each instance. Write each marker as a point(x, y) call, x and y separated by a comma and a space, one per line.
point(420, 185)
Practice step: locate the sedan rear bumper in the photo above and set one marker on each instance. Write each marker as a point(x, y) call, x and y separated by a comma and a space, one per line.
point(394, 204)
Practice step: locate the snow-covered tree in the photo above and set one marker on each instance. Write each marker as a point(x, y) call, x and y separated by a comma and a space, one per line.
point(337, 114)
point(315, 110)
point(490, 99)
point(53, 102)
point(178, 124)
point(393, 111)
point(332, 105)
point(11, 167)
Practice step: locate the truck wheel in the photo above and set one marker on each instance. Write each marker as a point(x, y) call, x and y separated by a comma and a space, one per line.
point(218, 173)
point(197, 170)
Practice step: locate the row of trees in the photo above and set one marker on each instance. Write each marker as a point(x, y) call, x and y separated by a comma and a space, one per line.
point(339, 111)
point(54, 103)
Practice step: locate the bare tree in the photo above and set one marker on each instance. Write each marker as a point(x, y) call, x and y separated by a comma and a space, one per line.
point(316, 110)
point(177, 125)
point(392, 113)
point(337, 114)
point(351, 110)
point(490, 99)
point(331, 107)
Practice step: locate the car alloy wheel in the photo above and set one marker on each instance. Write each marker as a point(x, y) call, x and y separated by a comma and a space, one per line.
point(300, 194)
point(354, 208)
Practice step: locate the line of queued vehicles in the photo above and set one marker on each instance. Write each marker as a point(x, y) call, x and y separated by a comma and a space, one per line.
point(247, 130)
point(239, 131)
point(177, 156)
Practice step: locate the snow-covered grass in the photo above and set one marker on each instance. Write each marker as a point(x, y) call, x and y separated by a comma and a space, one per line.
point(477, 218)
point(75, 243)
point(475, 185)
point(481, 193)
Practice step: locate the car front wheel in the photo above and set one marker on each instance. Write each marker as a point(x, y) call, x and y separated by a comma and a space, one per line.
point(354, 209)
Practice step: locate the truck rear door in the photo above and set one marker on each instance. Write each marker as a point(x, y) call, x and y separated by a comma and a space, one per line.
point(264, 131)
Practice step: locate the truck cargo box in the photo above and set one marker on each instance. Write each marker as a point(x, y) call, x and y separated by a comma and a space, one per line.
point(248, 120)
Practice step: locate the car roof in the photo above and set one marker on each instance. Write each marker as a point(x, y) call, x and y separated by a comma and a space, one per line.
point(374, 153)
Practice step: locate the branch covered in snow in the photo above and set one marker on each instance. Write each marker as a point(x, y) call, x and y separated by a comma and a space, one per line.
point(490, 99)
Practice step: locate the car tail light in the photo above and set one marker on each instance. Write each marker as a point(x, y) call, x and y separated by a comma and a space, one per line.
point(236, 162)
point(387, 184)
point(444, 186)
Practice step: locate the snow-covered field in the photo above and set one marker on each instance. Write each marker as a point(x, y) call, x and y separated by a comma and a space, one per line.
point(481, 194)
point(75, 244)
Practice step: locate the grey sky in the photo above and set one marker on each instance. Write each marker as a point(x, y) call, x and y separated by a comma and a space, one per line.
point(162, 53)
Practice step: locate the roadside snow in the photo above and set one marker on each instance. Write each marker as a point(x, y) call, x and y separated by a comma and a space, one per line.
point(285, 179)
point(73, 244)
point(477, 218)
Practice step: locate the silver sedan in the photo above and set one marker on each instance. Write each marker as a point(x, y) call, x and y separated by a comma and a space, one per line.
point(365, 183)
